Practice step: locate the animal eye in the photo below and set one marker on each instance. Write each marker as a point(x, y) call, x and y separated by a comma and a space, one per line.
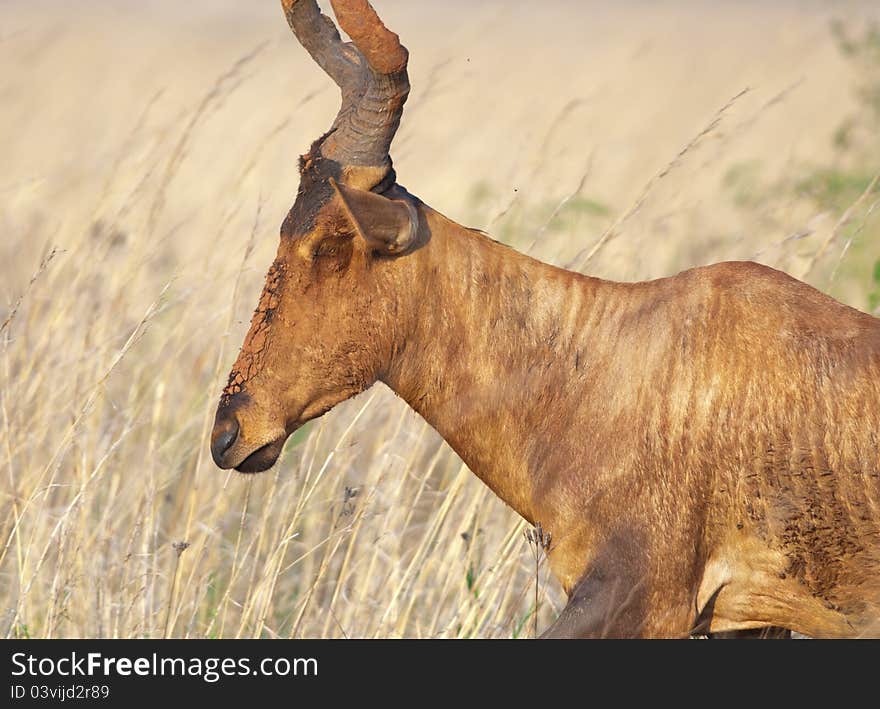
point(334, 251)
point(326, 248)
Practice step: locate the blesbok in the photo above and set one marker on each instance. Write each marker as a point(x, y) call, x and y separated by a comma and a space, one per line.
point(704, 449)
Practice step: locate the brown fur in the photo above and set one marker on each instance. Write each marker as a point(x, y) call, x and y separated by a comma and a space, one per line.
point(703, 448)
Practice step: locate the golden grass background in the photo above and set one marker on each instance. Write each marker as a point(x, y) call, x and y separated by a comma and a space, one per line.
point(148, 156)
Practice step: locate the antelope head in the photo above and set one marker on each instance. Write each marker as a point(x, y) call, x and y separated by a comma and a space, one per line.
point(326, 322)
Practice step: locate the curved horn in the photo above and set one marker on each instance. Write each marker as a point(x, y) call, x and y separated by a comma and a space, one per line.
point(370, 71)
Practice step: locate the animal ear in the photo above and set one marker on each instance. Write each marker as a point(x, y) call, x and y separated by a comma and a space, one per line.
point(388, 226)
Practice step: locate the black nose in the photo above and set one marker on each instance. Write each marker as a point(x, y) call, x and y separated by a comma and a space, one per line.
point(223, 437)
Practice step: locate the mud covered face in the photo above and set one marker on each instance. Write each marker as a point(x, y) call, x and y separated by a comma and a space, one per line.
point(321, 332)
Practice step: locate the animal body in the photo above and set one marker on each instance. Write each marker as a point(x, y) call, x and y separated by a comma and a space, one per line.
point(703, 448)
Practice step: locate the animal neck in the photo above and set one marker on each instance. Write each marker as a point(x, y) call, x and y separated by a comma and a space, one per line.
point(490, 354)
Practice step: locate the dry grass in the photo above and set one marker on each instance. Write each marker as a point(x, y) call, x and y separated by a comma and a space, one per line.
point(148, 160)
